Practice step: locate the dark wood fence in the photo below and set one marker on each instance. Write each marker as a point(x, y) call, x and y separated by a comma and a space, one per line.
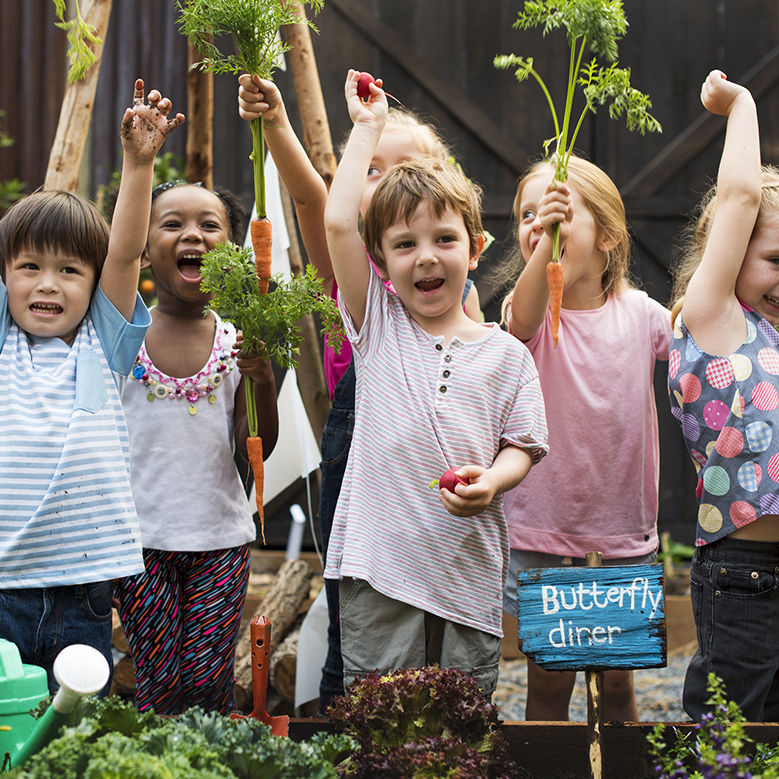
point(436, 56)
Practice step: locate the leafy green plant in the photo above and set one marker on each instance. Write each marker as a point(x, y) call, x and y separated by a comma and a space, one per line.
point(81, 36)
point(11, 190)
point(110, 738)
point(597, 25)
point(254, 26)
point(421, 722)
point(269, 322)
point(717, 747)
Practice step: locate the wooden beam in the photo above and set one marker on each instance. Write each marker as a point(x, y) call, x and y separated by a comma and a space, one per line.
point(76, 112)
point(200, 121)
point(468, 113)
point(698, 134)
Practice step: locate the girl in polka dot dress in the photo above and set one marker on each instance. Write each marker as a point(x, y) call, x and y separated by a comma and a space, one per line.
point(597, 490)
point(723, 378)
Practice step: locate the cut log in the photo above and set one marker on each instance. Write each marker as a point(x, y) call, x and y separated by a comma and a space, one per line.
point(284, 662)
point(281, 606)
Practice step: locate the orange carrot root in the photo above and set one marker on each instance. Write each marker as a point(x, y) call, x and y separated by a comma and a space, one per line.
point(254, 453)
point(261, 243)
point(554, 277)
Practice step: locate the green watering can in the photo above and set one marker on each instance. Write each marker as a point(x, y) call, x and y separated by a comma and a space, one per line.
point(79, 670)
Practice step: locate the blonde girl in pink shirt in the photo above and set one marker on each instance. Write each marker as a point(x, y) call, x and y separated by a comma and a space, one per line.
point(597, 488)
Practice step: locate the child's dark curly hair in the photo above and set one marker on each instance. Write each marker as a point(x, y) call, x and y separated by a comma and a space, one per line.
point(236, 213)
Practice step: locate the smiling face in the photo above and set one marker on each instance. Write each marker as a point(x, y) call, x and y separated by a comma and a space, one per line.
point(583, 258)
point(49, 292)
point(427, 260)
point(186, 222)
point(757, 284)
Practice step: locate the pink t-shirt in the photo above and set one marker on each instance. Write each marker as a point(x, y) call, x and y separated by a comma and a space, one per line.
point(596, 491)
point(335, 363)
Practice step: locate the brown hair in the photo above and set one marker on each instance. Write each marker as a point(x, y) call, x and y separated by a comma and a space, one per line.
point(437, 183)
point(53, 220)
point(696, 235)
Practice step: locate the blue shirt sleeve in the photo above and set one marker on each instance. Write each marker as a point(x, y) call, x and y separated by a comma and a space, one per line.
point(119, 338)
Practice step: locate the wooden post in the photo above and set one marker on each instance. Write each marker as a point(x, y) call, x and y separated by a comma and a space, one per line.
point(594, 681)
point(319, 145)
point(311, 103)
point(200, 115)
point(76, 112)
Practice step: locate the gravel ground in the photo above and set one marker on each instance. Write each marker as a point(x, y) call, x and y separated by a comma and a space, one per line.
point(658, 690)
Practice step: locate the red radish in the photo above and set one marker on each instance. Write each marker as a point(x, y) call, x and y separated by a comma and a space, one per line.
point(366, 79)
point(450, 480)
point(363, 84)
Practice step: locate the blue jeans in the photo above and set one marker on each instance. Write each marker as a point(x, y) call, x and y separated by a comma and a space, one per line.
point(42, 621)
point(734, 587)
point(335, 445)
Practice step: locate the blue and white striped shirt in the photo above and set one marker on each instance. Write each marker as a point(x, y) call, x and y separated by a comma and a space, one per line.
point(66, 510)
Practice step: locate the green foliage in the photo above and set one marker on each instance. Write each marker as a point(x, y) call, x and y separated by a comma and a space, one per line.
point(253, 24)
point(269, 322)
point(717, 747)
point(597, 25)
point(421, 722)
point(81, 36)
point(111, 740)
point(11, 190)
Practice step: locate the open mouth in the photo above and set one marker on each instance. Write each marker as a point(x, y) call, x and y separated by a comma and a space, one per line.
point(189, 266)
point(428, 285)
point(46, 308)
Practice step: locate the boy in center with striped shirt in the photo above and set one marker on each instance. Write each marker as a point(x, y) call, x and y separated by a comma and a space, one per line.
point(421, 570)
point(71, 324)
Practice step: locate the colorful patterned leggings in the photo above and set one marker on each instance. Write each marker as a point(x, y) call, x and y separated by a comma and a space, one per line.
point(181, 618)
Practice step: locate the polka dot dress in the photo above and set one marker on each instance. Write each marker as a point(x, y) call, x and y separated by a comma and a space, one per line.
point(727, 408)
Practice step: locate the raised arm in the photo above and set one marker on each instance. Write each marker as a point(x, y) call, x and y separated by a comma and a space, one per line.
point(144, 128)
point(530, 298)
point(260, 97)
point(711, 310)
point(342, 213)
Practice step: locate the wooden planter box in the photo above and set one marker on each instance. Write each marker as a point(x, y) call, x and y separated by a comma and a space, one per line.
point(558, 750)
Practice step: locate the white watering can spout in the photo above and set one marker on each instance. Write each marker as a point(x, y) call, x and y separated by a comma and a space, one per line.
point(80, 670)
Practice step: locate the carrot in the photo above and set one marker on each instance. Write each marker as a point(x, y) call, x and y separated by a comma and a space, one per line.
point(262, 239)
point(254, 453)
point(554, 277)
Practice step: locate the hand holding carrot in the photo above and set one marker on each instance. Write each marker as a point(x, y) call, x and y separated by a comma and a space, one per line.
point(258, 97)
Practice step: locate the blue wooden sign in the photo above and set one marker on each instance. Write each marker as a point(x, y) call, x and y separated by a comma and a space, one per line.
point(592, 618)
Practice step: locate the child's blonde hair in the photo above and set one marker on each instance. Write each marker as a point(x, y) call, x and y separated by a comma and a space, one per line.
point(696, 235)
point(427, 138)
point(438, 183)
point(603, 201)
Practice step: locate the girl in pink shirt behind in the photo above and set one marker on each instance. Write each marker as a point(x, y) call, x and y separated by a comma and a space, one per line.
point(597, 489)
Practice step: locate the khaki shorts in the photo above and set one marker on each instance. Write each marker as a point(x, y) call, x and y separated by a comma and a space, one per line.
point(382, 634)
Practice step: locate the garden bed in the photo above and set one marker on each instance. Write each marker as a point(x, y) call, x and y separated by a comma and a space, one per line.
point(558, 750)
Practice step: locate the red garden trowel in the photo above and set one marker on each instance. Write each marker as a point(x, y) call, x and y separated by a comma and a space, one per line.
point(260, 634)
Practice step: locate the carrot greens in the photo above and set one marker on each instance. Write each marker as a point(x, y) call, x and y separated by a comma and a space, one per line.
point(597, 26)
point(81, 36)
point(254, 26)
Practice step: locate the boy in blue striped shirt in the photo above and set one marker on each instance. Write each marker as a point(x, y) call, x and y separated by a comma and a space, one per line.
point(71, 324)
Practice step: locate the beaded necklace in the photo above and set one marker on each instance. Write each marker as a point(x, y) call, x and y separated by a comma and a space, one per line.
point(201, 385)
